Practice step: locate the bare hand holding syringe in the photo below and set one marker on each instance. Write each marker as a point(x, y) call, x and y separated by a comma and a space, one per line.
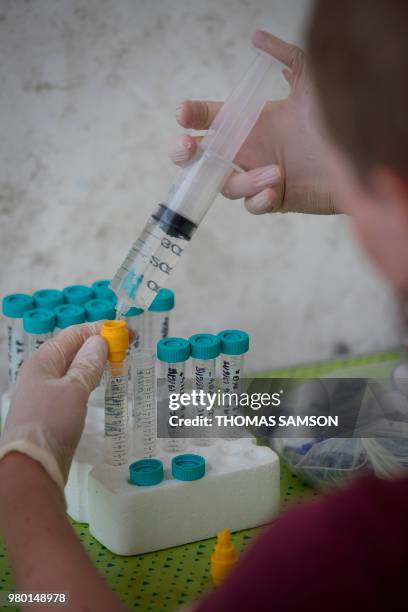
point(162, 242)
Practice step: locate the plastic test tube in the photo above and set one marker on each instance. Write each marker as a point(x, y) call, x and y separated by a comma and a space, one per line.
point(14, 306)
point(77, 294)
point(135, 321)
point(157, 320)
point(68, 314)
point(39, 325)
point(116, 394)
point(204, 349)
point(99, 310)
point(169, 230)
point(48, 298)
point(234, 345)
point(173, 354)
point(144, 404)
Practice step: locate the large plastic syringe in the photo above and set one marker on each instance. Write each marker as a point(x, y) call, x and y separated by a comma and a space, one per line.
point(162, 242)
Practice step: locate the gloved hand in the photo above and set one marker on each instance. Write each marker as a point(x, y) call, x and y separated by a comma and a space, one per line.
point(48, 407)
point(284, 154)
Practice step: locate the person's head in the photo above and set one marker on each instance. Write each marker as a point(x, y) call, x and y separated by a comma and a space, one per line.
point(358, 53)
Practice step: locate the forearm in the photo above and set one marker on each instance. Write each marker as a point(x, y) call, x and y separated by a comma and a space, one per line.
point(45, 554)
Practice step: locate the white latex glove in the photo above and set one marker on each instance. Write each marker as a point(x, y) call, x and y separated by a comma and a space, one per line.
point(283, 157)
point(48, 407)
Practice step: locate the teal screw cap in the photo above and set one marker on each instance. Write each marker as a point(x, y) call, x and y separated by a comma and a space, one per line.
point(69, 314)
point(134, 312)
point(188, 467)
point(16, 304)
point(234, 342)
point(98, 310)
point(205, 346)
point(173, 350)
point(48, 298)
point(163, 301)
point(78, 294)
point(102, 291)
point(38, 321)
point(146, 472)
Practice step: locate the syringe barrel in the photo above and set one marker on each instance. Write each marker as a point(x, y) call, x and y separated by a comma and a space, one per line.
point(116, 413)
point(154, 255)
point(200, 181)
point(197, 186)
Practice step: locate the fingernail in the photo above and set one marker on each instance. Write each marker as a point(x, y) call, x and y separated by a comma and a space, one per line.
point(266, 177)
point(181, 151)
point(179, 112)
point(259, 203)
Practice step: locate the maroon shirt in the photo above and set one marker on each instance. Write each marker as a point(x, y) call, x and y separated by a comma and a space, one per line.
point(345, 551)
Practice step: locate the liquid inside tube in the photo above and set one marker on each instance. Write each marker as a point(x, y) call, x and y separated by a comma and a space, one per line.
point(144, 404)
point(151, 259)
point(116, 414)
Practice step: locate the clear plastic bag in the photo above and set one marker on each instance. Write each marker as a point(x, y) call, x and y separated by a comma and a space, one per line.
point(379, 443)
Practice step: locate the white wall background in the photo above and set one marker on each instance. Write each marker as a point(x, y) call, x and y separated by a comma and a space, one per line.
point(88, 90)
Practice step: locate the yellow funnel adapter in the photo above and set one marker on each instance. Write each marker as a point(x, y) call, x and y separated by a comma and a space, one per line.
point(223, 557)
point(117, 336)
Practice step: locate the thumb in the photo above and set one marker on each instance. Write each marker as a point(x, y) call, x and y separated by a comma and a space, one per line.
point(87, 367)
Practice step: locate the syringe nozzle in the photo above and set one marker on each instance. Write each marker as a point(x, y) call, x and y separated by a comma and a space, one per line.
point(121, 308)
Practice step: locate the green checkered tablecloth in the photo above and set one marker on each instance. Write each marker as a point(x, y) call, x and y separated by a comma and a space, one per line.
point(165, 580)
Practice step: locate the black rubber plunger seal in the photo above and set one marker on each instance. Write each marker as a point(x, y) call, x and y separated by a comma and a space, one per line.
point(173, 224)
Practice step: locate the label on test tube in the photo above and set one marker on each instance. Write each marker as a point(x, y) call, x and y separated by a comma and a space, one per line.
point(116, 418)
point(144, 404)
point(157, 251)
point(36, 340)
point(175, 380)
point(231, 373)
point(234, 345)
point(14, 306)
point(15, 348)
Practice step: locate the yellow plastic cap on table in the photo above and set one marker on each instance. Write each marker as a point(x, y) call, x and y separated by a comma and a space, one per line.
point(116, 335)
point(223, 557)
